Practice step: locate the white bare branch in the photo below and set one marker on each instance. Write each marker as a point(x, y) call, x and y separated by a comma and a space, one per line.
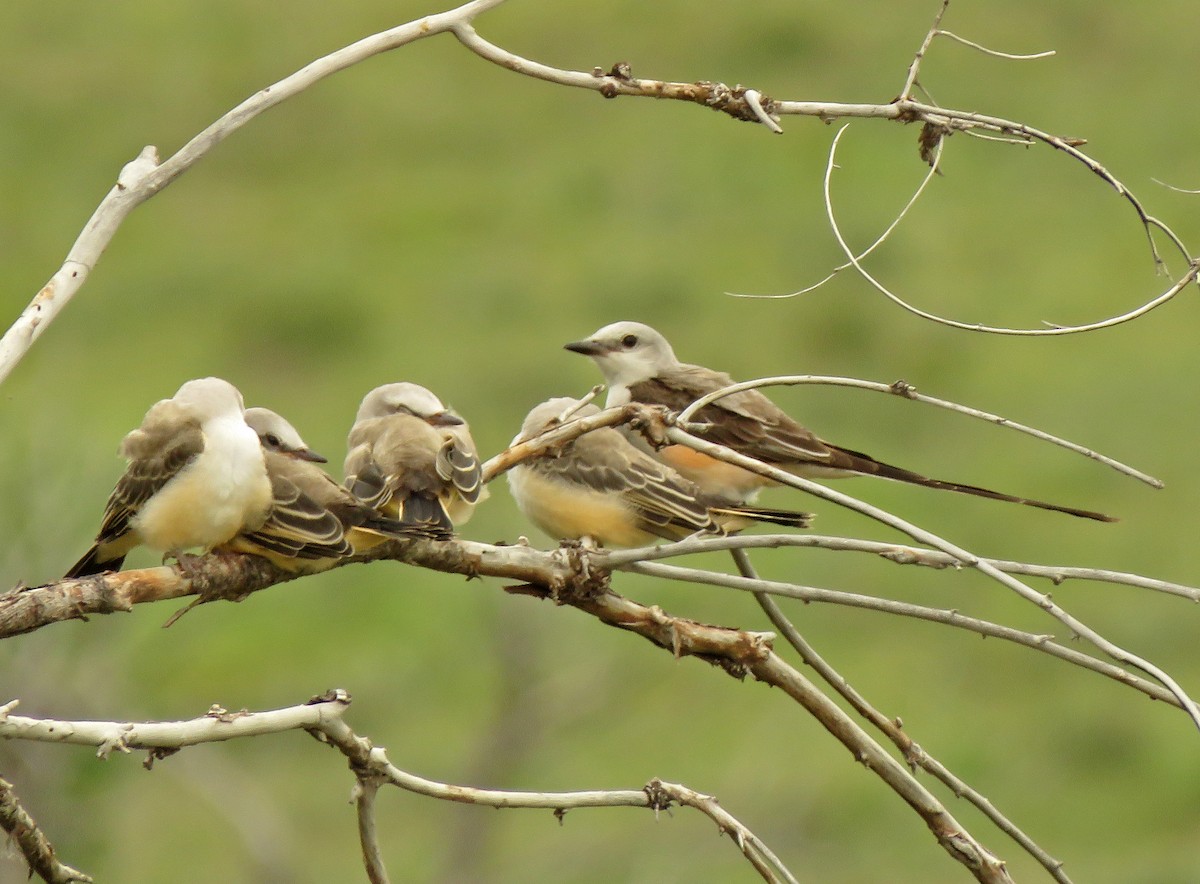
point(893, 552)
point(145, 176)
point(969, 559)
point(323, 717)
point(907, 391)
point(1149, 222)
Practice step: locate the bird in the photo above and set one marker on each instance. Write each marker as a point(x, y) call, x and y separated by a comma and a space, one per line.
point(600, 486)
point(314, 522)
point(413, 459)
point(639, 365)
point(196, 477)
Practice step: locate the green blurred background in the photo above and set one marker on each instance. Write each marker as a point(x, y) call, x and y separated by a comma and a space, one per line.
point(427, 216)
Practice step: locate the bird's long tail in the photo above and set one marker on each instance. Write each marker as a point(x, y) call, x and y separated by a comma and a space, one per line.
point(867, 465)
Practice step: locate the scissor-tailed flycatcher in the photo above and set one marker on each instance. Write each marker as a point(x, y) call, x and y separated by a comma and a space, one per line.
point(313, 521)
point(640, 366)
point(412, 459)
point(600, 486)
point(196, 477)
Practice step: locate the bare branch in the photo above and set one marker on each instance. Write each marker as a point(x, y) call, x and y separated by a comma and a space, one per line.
point(1011, 56)
point(1026, 592)
point(891, 728)
point(365, 790)
point(945, 616)
point(906, 391)
point(740, 653)
point(893, 552)
point(323, 717)
point(145, 176)
point(1150, 223)
point(32, 842)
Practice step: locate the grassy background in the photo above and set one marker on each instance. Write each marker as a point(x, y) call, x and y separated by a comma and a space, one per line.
point(426, 216)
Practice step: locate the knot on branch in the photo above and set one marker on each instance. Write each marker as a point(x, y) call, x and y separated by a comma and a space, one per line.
point(903, 388)
point(657, 796)
point(620, 72)
point(585, 581)
point(333, 695)
point(652, 421)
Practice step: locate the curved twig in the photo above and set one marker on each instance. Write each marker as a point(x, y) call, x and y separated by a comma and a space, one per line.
point(323, 717)
point(934, 168)
point(907, 391)
point(1148, 222)
point(1041, 600)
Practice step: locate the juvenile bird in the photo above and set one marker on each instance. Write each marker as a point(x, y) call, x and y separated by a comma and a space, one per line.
point(413, 459)
point(639, 366)
point(600, 486)
point(313, 521)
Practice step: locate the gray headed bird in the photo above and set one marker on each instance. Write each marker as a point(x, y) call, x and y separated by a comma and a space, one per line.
point(639, 365)
point(602, 487)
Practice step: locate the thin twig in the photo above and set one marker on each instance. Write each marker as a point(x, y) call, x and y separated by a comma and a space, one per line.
point(1026, 592)
point(1011, 56)
point(907, 391)
point(945, 616)
point(893, 552)
point(1148, 222)
point(933, 169)
point(914, 68)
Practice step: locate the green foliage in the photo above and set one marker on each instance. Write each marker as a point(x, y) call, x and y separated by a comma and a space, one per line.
point(429, 217)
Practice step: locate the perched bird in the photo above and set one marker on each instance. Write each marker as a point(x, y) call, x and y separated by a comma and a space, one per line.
point(639, 365)
point(600, 486)
point(413, 459)
point(313, 521)
point(196, 477)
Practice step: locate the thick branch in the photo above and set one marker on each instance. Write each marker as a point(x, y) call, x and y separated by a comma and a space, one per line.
point(893, 729)
point(740, 653)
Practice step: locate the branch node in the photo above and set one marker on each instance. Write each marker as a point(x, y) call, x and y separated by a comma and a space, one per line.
point(136, 170)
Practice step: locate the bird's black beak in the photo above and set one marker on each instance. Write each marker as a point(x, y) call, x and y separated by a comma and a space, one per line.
point(309, 455)
point(445, 419)
point(587, 348)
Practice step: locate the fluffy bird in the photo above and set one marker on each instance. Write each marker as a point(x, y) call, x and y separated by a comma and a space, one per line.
point(196, 477)
point(313, 521)
point(413, 459)
point(639, 365)
point(602, 487)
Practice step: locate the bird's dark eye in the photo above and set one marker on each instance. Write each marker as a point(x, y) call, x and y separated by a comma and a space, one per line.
point(629, 342)
point(273, 440)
